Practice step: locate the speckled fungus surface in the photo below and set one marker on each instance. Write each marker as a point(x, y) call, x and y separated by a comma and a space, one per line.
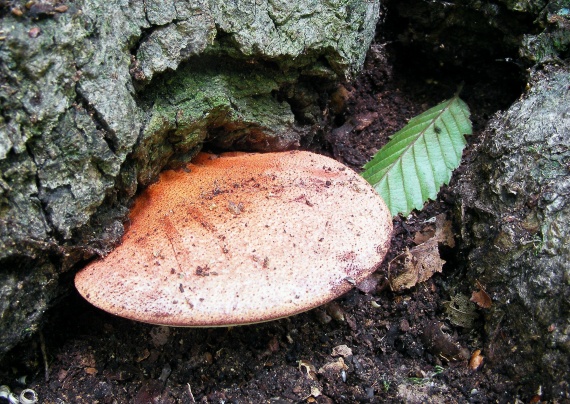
point(242, 238)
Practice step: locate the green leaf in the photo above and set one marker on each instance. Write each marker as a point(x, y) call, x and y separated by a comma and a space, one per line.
point(419, 158)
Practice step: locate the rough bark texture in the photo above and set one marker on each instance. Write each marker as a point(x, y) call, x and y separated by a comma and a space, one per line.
point(98, 96)
point(515, 212)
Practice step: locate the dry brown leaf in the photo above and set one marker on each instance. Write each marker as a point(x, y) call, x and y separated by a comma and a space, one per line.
point(441, 230)
point(481, 298)
point(421, 262)
point(424, 235)
point(90, 371)
point(476, 360)
point(414, 266)
point(444, 231)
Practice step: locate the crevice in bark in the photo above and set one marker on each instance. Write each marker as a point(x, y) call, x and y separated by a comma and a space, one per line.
point(100, 123)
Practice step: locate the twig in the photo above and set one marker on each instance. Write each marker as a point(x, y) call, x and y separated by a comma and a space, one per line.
point(190, 393)
point(44, 356)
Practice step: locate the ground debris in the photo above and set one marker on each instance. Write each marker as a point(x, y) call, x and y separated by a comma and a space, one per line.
point(461, 311)
point(419, 263)
point(442, 344)
point(414, 266)
point(334, 370)
point(481, 298)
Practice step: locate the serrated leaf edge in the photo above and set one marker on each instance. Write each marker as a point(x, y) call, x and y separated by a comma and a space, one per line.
point(455, 106)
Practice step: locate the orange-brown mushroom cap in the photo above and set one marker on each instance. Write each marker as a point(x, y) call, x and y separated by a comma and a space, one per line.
point(242, 238)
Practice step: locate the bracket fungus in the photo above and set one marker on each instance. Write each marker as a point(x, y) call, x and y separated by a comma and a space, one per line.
point(242, 238)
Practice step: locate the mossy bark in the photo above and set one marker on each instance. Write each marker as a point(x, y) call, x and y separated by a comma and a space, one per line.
point(514, 212)
point(98, 96)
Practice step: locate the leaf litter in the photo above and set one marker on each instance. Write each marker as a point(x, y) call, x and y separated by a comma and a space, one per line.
point(420, 263)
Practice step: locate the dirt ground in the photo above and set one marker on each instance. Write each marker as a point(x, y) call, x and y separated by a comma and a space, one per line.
point(378, 346)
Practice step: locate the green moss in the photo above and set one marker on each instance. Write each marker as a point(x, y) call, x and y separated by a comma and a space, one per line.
point(205, 100)
point(553, 43)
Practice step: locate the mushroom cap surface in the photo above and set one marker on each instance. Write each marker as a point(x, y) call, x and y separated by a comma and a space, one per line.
point(241, 238)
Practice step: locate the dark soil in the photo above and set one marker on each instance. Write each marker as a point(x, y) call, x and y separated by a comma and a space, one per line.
point(402, 348)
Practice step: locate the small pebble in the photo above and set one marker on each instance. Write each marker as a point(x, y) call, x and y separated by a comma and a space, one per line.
point(61, 8)
point(16, 11)
point(34, 32)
